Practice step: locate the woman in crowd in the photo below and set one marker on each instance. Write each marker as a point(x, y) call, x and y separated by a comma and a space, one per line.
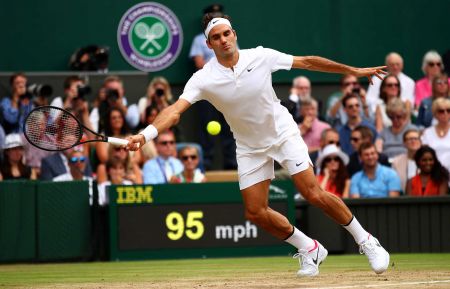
point(438, 136)
point(333, 175)
point(115, 126)
point(440, 89)
point(133, 172)
point(389, 89)
point(432, 179)
point(13, 167)
point(432, 66)
point(391, 138)
point(191, 173)
point(159, 94)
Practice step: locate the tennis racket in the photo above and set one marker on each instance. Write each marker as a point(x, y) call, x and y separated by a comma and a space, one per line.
point(55, 129)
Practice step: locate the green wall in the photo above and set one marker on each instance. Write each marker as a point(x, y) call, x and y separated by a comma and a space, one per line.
point(41, 35)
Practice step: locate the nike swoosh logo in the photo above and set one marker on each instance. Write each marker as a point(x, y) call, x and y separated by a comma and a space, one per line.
point(298, 164)
point(214, 22)
point(250, 69)
point(317, 256)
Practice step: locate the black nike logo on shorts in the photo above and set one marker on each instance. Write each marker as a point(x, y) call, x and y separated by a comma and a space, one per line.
point(250, 69)
point(298, 164)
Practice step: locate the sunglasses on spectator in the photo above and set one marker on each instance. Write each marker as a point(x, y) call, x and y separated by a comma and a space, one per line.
point(396, 117)
point(74, 160)
point(329, 159)
point(337, 143)
point(355, 139)
point(431, 64)
point(352, 105)
point(392, 85)
point(441, 81)
point(192, 157)
point(166, 142)
point(442, 110)
point(350, 83)
point(412, 139)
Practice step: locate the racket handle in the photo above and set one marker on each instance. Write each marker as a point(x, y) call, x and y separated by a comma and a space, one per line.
point(117, 141)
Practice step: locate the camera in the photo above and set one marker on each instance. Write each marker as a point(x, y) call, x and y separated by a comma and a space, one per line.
point(90, 58)
point(159, 92)
point(83, 91)
point(112, 95)
point(37, 89)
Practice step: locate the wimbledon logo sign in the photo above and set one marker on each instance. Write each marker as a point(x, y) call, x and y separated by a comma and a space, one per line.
point(150, 36)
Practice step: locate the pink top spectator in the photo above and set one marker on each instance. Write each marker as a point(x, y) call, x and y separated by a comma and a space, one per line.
point(423, 90)
point(312, 136)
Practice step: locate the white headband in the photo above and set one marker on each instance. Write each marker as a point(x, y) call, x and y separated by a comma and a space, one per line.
point(214, 22)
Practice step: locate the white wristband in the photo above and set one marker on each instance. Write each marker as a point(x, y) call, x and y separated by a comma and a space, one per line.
point(149, 133)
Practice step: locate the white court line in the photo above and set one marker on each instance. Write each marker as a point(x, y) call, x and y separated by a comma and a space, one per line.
point(384, 285)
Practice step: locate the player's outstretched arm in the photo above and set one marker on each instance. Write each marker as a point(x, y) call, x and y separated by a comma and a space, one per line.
point(318, 63)
point(165, 119)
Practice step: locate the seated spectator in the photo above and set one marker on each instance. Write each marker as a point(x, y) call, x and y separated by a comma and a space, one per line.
point(438, 136)
point(158, 94)
point(191, 173)
point(161, 169)
point(115, 170)
point(300, 90)
point(432, 179)
point(375, 180)
point(327, 137)
point(394, 63)
point(68, 100)
point(311, 127)
point(352, 108)
point(13, 167)
point(133, 172)
point(390, 89)
point(336, 114)
point(58, 164)
point(15, 108)
point(115, 126)
point(360, 135)
point(440, 89)
point(77, 163)
point(391, 138)
point(431, 66)
point(333, 175)
point(404, 164)
point(112, 94)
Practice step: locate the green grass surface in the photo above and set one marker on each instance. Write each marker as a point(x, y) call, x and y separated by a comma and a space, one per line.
point(163, 271)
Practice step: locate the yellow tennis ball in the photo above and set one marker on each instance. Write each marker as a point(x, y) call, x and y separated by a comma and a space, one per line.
point(213, 127)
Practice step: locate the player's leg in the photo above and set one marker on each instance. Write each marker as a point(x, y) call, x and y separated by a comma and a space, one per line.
point(258, 211)
point(256, 169)
point(306, 183)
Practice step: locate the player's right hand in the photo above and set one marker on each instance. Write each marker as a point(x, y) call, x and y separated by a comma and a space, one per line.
point(135, 142)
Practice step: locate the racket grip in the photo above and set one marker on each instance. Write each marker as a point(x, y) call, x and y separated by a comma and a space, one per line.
point(117, 141)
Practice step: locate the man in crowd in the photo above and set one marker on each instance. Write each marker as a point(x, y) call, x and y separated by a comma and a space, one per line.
point(375, 180)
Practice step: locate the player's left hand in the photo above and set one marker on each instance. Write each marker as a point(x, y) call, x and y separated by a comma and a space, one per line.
point(370, 71)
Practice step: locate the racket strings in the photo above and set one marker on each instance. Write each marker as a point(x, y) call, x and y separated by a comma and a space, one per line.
point(52, 129)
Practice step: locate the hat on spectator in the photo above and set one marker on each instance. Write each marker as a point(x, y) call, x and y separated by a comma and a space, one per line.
point(12, 140)
point(330, 150)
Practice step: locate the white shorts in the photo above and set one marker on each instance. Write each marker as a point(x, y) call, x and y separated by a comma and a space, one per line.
point(258, 165)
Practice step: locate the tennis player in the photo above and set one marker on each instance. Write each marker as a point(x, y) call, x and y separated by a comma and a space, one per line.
point(239, 84)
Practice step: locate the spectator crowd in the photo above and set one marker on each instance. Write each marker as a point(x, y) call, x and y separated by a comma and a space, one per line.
point(388, 140)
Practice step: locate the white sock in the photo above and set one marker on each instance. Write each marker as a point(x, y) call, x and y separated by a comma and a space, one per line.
point(357, 231)
point(300, 240)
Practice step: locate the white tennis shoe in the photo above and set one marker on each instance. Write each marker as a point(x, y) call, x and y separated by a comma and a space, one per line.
point(310, 260)
point(377, 255)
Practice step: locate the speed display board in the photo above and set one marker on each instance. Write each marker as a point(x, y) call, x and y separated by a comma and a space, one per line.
point(190, 220)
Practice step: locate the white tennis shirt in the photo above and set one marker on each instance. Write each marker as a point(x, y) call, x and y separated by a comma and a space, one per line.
point(245, 96)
